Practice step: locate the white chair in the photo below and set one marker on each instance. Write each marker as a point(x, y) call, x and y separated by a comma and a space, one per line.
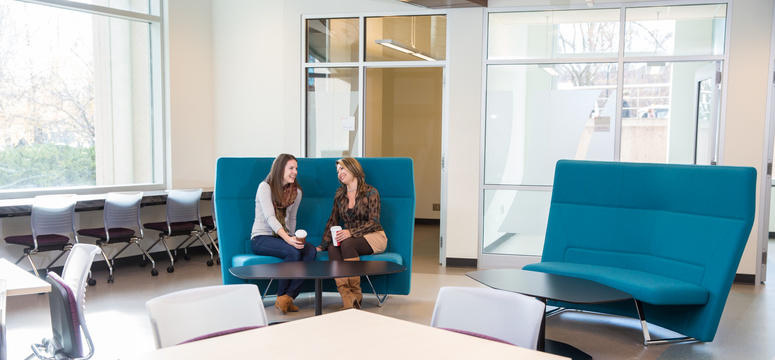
point(67, 303)
point(503, 315)
point(204, 312)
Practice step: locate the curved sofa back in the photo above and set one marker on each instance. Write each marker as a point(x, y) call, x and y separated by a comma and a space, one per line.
point(683, 222)
point(237, 180)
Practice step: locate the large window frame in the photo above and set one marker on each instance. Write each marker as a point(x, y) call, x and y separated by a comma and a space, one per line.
point(158, 97)
point(515, 260)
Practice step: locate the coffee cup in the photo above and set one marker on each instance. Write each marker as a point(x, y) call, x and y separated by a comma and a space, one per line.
point(334, 229)
point(301, 235)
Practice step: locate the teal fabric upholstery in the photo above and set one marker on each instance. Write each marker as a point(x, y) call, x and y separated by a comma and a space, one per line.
point(236, 182)
point(669, 235)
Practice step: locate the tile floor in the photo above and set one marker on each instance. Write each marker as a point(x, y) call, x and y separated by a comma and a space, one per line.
point(119, 324)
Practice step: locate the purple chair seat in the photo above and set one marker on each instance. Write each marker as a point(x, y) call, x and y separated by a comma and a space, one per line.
point(178, 228)
point(220, 333)
point(208, 223)
point(481, 336)
point(116, 234)
point(45, 242)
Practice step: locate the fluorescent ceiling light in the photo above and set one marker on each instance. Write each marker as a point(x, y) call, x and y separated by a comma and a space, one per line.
point(404, 49)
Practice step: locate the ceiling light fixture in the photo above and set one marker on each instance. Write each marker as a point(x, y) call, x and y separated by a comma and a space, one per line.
point(404, 49)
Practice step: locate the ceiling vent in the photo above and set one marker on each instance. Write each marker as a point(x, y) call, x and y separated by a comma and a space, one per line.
point(444, 4)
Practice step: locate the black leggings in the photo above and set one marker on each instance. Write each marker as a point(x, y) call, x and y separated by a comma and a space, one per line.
point(349, 248)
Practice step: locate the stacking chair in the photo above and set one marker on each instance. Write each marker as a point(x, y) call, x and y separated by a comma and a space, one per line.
point(210, 227)
point(490, 313)
point(67, 303)
point(121, 217)
point(219, 310)
point(182, 219)
point(52, 223)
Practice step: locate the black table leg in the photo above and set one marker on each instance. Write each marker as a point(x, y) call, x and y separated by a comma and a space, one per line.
point(318, 296)
point(556, 347)
point(541, 346)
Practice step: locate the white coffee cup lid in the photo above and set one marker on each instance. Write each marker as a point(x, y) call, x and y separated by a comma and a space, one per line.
point(301, 233)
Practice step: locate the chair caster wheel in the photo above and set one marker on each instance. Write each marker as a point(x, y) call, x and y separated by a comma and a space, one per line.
point(110, 279)
point(185, 256)
point(91, 282)
point(210, 262)
point(170, 269)
point(154, 272)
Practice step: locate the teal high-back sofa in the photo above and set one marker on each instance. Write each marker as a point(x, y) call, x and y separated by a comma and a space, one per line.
point(237, 179)
point(669, 235)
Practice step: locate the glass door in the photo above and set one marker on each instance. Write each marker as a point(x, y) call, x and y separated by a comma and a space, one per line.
point(706, 98)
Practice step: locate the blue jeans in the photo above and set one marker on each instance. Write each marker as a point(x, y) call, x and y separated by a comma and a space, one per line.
point(274, 246)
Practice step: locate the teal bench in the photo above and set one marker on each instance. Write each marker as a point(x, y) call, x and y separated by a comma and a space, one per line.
point(669, 235)
point(236, 182)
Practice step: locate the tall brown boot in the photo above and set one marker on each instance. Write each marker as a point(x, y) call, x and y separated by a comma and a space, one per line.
point(342, 284)
point(354, 284)
point(355, 288)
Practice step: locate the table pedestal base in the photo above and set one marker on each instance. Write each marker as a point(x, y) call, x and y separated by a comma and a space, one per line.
point(563, 349)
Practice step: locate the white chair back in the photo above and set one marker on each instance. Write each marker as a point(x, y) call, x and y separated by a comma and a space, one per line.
point(76, 270)
point(188, 314)
point(503, 315)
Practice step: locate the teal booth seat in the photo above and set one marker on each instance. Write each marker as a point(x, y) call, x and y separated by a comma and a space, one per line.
point(237, 179)
point(669, 235)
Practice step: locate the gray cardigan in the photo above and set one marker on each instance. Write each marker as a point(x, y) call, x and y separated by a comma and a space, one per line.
point(266, 222)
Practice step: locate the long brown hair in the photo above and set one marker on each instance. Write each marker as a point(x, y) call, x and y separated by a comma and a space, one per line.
point(354, 167)
point(275, 176)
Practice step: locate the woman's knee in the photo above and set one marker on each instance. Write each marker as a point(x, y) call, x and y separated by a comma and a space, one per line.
point(309, 252)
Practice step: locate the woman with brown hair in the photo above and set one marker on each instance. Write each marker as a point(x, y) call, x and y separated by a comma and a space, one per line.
point(357, 207)
point(277, 200)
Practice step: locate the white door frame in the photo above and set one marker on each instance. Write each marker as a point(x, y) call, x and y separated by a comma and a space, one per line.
point(362, 65)
point(766, 178)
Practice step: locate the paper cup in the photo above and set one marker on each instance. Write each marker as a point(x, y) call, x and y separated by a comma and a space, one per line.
point(334, 229)
point(301, 235)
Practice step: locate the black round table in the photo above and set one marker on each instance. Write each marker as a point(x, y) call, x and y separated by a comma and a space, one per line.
point(544, 287)
point(315, 270)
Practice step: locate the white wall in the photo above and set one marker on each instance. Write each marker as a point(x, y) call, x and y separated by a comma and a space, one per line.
point(190, 103)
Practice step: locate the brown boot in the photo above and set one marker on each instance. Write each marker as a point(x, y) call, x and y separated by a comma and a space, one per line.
point(282, 303)
point(355, 289)
point(291, 306)
point(343, 285)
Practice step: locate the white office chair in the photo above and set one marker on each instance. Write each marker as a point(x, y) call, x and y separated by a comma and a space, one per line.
point(67, 303)
point(503, 315)
point(200, 313)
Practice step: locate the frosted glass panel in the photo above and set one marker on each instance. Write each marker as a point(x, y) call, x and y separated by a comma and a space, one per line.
point(332, 112)
point(538, 114)
point(675, 30)
point(553, 34)
point(515, 221)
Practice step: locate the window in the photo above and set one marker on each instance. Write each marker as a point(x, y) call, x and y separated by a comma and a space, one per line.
point(80, 95)
point(337, 53)
point(631, 84)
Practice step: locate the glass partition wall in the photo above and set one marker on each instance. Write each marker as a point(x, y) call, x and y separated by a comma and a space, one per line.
point(635, 84)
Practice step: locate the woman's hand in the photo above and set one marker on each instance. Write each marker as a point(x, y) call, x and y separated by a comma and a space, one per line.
point(342, 235)
point(292, 241)
point(318, 248)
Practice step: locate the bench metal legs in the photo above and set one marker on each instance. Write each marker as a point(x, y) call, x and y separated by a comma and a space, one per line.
point(647, 338)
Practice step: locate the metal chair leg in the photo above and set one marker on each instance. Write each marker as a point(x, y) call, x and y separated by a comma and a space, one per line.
point(647, 338)
point(170, 268)
point(58, 257)
point(212, 242)
point(154, 272)
point(108, 263)
point(34, 268)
